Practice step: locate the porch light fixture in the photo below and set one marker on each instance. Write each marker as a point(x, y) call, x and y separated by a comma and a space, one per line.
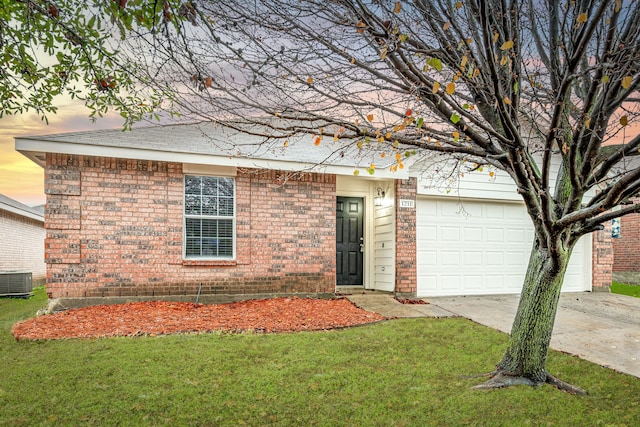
point(379, 199)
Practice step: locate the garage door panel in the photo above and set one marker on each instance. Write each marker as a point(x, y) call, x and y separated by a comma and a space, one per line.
point(473, 282)
point(450, 283)
point(513, 235)
point(472, 234)
point(481, 247)
point(494, 281)
point(450, 258)
point(495, 235)
point(472, 258)
point(427, 258)
point(450, 234)
point(494, 258)
point(516, 258)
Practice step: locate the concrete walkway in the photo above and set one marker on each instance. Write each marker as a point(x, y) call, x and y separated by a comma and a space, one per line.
point(600, 327)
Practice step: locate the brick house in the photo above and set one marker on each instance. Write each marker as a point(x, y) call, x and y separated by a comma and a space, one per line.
point(22, 239)
point(626, 263)
point(171, 211)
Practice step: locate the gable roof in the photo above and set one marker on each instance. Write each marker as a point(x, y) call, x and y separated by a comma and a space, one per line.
point(13, 206)
point(214, 144)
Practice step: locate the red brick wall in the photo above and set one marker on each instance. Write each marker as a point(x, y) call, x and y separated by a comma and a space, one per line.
point(626, 249)
point(114, 228)
point(602, 259)
point(406, 268)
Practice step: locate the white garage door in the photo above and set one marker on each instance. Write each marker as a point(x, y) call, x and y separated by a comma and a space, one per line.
point(472, 247)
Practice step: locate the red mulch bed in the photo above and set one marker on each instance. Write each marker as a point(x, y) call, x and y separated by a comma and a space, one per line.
point(161, 318)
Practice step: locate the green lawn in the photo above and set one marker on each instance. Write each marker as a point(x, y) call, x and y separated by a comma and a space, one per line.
point(411, 372)
point(624, 289)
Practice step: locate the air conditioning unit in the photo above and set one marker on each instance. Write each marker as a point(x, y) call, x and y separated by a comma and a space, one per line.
point(15, 284)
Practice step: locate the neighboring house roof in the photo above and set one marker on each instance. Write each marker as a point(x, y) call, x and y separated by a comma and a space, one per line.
point(214, 144)
point(18, 208)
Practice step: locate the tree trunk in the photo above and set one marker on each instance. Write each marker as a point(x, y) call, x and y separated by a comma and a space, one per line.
point(524, 361)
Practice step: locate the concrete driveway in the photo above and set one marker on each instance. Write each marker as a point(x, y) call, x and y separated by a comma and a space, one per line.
point(600, 327)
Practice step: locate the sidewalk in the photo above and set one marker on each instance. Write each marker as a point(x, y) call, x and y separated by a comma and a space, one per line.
point(385, 304)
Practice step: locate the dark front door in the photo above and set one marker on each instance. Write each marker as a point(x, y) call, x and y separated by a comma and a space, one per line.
point(349, 238)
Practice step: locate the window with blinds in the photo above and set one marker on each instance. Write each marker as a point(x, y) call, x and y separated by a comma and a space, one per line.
point(209, 217)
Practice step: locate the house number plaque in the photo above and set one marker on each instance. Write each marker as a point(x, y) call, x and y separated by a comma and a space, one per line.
point(407, 203)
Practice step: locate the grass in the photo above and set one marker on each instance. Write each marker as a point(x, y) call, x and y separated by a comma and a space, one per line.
point(624, 289)
point(398, 373)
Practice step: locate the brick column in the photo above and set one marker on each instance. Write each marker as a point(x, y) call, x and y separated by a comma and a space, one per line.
point(602, 256)
point(406, 269)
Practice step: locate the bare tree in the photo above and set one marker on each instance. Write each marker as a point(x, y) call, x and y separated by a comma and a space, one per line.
point(510, 84)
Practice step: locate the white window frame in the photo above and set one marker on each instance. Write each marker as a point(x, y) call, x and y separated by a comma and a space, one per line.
point(186, 216)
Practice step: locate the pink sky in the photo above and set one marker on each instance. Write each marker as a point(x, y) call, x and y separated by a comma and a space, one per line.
point(20, 178)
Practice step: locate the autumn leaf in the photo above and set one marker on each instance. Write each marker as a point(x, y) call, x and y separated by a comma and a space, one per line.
point(408, 113)
point(398, 7)
point(310, 80)
point(383, 53)
point(435, 63)
point(451, 87)
point(436, 87)
point(383, 155)
point(495, 37)
point(624, 120)
point(458, 5)
point(582, 18)
point(626, 82)
point(446, 25)
point(463, 63)
point(507, 100)
point(286, 143)
point(356, 172)
point(317, 141)
point(360, 26)
point(370, 117)
point(507, 45)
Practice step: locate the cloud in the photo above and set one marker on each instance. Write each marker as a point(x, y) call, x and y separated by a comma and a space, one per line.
point(20, 178)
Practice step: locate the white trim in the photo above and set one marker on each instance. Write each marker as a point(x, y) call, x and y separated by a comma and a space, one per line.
point(184, 225)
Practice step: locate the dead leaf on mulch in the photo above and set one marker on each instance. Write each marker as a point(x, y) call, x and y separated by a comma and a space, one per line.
point(163, 317)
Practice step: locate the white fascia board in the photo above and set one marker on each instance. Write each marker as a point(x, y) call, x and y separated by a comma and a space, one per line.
point(32, 147)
